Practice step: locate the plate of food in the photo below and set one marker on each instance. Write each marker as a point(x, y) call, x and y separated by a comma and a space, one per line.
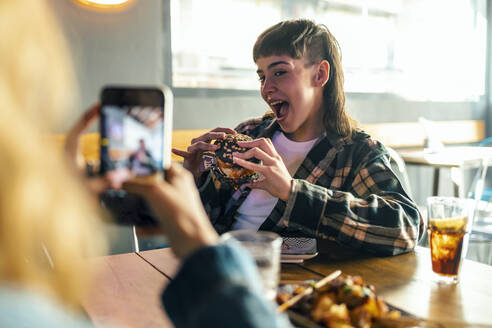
point(341, 301)
point(296, 250)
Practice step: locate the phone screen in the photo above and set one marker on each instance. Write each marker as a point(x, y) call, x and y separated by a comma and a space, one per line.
point(134, 138)
point(136, 130)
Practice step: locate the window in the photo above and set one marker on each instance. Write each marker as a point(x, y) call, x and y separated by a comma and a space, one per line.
point(419, 49)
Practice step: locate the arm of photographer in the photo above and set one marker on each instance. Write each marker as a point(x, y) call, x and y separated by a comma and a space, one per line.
point(215, 285)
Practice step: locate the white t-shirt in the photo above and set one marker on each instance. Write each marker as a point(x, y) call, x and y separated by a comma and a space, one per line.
point(259, 203)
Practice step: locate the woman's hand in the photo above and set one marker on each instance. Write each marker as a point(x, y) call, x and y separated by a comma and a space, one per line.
point(113, 179)
point(193, 156)
point(72, 140)
point(177, 205)
point(275, 178)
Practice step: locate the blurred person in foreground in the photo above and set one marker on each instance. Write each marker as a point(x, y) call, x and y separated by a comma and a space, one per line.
point(49, 222)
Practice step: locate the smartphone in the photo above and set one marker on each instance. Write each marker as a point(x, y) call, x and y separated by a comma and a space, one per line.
point(135, 129)
point(136, 132)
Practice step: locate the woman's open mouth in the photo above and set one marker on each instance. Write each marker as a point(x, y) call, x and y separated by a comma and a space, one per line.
point(280, 108)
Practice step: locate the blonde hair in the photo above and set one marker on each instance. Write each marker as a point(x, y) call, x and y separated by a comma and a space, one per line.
point(42, 205)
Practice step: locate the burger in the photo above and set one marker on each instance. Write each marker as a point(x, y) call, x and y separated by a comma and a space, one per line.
point(225, 170)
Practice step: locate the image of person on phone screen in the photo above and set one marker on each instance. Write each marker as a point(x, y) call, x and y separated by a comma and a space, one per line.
point(141, 162)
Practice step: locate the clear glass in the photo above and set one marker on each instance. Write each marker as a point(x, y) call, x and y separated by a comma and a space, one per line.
point(387, 46)
point(265, 248)
point(449, 226)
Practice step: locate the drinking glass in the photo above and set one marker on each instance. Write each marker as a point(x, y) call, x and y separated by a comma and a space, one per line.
point(265, 248)
point(449, 226)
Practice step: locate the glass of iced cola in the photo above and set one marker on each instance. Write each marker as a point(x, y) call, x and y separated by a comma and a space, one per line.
point(449, 227)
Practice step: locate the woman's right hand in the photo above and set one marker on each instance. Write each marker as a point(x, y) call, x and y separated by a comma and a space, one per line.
point(178, 208)
point(193, 156)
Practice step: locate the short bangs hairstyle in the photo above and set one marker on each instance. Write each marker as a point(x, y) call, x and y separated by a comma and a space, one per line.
point(300, 38)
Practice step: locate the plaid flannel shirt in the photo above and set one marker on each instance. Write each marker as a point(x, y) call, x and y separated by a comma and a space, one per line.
point(344, 190)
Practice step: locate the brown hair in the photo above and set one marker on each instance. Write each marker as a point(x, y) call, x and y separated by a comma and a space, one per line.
point(302, 37)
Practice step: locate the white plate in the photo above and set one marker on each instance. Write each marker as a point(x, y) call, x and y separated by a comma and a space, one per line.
point(296, 258)
point(296, 250)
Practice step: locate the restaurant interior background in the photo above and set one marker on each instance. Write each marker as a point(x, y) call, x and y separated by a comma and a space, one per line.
point(403, 59)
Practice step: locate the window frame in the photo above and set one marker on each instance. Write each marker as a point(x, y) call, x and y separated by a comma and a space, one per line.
point(225, 92)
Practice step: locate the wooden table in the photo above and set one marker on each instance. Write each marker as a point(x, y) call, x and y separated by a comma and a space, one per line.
point(127, 289)
point(454, 157)
point(126, 293)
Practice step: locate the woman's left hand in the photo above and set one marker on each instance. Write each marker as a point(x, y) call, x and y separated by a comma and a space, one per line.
point(275, 178)
point(72, 140)
point(113, 179)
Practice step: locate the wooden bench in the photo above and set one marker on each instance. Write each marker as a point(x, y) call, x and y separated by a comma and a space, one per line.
point(90, 143)
point(395, 135)
point(182, 139)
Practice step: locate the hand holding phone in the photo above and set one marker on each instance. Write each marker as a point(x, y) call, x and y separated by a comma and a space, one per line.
point(135, 129)
point(177, 205)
